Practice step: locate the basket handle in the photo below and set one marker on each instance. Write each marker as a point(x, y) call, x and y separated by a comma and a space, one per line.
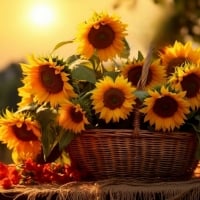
point(141, 85)
point(145, 69)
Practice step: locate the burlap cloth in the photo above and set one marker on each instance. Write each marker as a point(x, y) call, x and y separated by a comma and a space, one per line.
point(113, 189)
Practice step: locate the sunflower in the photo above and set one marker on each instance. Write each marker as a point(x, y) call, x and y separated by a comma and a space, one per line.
point(165, 109)
point(21, 134)
point(101, 34)
point(113, 99)
point(187, 78)
point(26, 97)
point(178, 54)
point(133, 71)
point(72, 117)
point(47, 81)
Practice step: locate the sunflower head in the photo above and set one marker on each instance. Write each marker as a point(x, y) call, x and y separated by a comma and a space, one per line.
point(102, 35)
point(72, 117)
point(21, 134)
point(187, 78)
point(177, 55)
point(165, 109)
point(46, 81)
point(113, 99)
point(133, 71)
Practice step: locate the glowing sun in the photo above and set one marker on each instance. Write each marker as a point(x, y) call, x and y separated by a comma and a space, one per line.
point(42, 14)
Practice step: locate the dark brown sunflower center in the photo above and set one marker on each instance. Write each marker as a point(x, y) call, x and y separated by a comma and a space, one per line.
point(23, 134)
point(52, 82)
point(191, 84)
point(176, 62)
point(76, 116)
point(102, 37)
point(135, 73)
point(113, 98)
point(165, 106)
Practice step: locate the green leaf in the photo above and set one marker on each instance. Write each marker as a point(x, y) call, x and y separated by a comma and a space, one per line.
point(140, 57)
point(140, 94)
point(112, 74)
point(48, 139)
point(65, 139)
point(82, 72)
point(60, 44)
point(94, 60)
point(46, 118)
point(72, 59)
point(126, 51)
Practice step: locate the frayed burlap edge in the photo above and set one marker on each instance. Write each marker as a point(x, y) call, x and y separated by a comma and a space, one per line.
point(113, 189)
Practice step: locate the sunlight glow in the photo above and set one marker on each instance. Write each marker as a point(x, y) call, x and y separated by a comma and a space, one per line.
point(42, 14)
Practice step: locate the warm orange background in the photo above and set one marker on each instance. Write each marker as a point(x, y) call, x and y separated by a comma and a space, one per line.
point(19, 36)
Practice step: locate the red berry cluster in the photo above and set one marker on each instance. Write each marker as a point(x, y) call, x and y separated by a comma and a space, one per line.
point(34, 173)
point(31, 172)
point(9, 176)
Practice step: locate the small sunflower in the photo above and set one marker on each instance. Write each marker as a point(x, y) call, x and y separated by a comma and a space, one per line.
point(165, 109)
point(47, 81)
point(101, 34)
point(178, 54)
point(21, 134)
point(187, 78)
point(133, 71)
point(72, 117)
point(113, 99)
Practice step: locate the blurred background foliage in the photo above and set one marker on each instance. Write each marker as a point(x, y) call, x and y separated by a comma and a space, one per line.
point(10, 81)
point(182, 23)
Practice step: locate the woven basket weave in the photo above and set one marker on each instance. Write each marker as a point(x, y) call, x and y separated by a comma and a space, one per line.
point(153, 156)
point(110, 153)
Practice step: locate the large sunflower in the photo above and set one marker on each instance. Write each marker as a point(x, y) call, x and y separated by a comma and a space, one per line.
point(179, 54)
point(165, 109)
point(47, 81)
point(113, 99)
point(156, 74)
point(187, 78)
point(72, 117)
point(101, 34)
point(21, 134)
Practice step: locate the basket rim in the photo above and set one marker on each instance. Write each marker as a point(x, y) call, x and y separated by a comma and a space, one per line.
point(129, 133)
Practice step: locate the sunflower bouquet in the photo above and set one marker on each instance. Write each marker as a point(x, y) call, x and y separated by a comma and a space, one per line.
point(97, 87)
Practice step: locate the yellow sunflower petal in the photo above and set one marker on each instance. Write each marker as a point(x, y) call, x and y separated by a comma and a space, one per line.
point(187, 78)
point(72, 117)
point(179, 54)
point(101, 34)
point(21, 134)
point(47, 82)
point(166, 111)
point(156, 74)
point(113, 99)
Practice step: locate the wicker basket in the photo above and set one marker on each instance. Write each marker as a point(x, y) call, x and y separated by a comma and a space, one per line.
point(137, 154)
point(153, 156)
